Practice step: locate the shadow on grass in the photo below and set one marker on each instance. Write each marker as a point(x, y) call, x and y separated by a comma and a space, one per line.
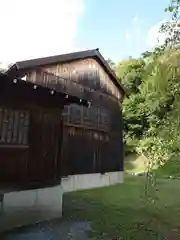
point(123, 210)
point(112, 221)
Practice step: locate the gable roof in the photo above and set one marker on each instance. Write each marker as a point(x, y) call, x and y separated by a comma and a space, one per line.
point(22, 66)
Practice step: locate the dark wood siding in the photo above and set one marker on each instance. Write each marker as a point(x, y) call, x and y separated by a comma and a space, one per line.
point(45, 144)
point(92, 139)
point(83, 150)
point(14, 126)
point(30, 146)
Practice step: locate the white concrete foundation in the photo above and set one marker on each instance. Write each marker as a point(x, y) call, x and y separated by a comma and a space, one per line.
point(29, 207)
point(87, 181)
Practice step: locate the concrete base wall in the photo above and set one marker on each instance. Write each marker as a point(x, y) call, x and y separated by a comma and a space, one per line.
point(87, 181)
point(29, 207)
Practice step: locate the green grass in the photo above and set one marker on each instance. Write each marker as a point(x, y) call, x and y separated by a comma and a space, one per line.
point(123, 211)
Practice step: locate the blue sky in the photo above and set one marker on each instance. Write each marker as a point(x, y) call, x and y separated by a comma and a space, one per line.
point(119, 28)
point(40, 28)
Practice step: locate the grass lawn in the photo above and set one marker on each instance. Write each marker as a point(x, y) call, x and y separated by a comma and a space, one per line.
point(123, 210)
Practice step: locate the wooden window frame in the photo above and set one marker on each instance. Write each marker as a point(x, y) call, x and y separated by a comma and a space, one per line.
point(14, 127)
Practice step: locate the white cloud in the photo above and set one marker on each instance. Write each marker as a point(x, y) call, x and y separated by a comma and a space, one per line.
point(127, 35)
point(154, 37)
point(38, 28)
point(134, 30)
point(135, 20)
point(136, 25)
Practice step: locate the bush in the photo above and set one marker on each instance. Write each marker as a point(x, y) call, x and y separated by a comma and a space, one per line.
point(170, 168)
point(130, 145)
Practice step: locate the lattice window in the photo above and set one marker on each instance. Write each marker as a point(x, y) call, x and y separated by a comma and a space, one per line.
point(104, 120)
point(14, 126)
point(90, 117)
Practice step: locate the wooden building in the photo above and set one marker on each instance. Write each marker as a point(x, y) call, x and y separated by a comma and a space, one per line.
point(92, 137)
point(50, 141)
point(30, 134)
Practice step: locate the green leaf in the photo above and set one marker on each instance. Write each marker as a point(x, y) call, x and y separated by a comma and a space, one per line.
point(171, 8)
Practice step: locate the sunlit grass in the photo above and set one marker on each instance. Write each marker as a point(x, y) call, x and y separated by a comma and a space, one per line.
point(122, 210)
point(135, 163)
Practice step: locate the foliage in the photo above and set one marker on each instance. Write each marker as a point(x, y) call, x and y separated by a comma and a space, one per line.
point(152, 111)
point(131, 73)
point(162, 91)
point(156, 106)
point(171, 169)
point(111, 64)
point(172, 28)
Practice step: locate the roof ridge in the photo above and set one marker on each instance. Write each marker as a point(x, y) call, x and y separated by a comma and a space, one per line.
point(21, 66)
point(56, 55)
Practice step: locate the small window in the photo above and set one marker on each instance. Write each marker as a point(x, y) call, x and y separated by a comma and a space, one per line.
point(103, 119)
point(14, 126)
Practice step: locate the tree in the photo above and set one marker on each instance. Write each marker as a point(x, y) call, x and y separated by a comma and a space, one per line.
point(171, 28)
point(150, 111)
point(155, 101)
point(130, 72)
point(146, 54)
point(111, 64)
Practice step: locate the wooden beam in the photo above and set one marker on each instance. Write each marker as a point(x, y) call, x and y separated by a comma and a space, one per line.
point(36, 94)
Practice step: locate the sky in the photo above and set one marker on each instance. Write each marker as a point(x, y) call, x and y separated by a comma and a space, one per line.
point(40, 28)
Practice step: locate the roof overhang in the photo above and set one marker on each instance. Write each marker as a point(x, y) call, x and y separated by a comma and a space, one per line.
point(18, 89)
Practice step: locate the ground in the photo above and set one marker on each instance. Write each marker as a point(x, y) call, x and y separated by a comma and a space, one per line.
point(123, 210)
point(116, 212)
point(53, 230)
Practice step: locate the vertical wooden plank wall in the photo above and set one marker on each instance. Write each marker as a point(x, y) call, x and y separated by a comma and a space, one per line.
point(92, 137)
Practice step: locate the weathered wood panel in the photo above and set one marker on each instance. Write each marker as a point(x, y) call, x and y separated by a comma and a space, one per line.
point(88, 73)
point(45, 145)
point(95, 117)
point(14, 145)
point(13, 127)
point(90, 151)
point(62, 78)
point(92, 137)
point(13, 163)
point(30, 147)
